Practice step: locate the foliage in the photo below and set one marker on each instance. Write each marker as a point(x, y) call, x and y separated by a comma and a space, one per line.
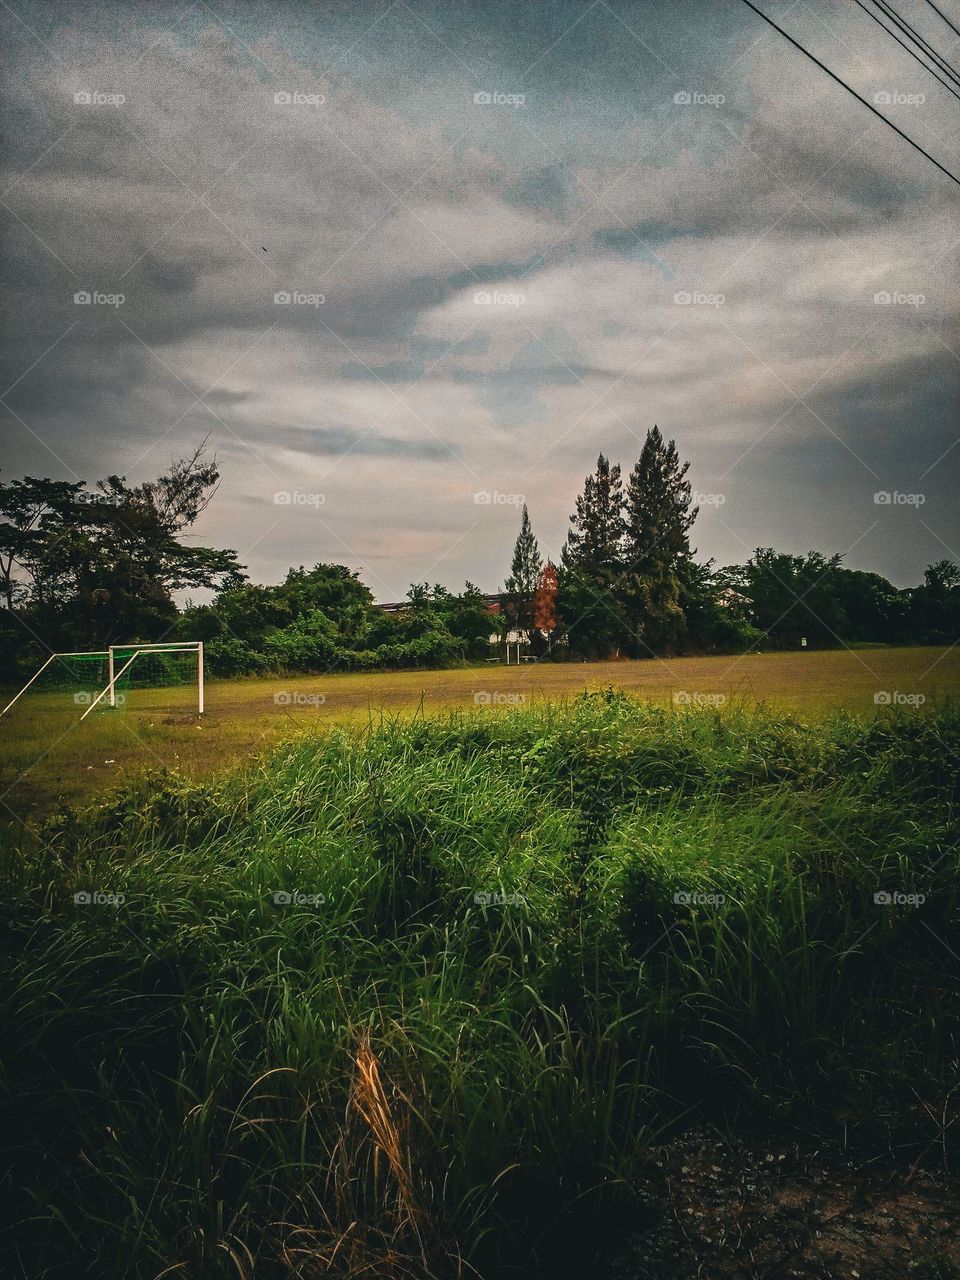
point(86, 568)
point(83, 568)
point(546, 620)
point(591, 567)
point(514, 947)
point(524, 576)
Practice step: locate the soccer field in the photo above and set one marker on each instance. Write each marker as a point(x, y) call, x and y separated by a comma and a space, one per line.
point(47, 756)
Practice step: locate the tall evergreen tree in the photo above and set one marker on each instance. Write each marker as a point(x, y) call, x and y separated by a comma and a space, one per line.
point(591, 566)
point(594, 543)
point(658, 510)
point(657, 546)
point(525, 568)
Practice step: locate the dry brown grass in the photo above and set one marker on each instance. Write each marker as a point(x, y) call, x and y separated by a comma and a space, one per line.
point(370, 1221)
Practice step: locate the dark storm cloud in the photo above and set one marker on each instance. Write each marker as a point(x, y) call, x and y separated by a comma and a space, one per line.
point(499, 283)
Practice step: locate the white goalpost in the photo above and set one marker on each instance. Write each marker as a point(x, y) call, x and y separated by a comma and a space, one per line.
point(138, 651)
point(120, 663)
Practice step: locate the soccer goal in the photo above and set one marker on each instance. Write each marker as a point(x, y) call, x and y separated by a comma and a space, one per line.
point(143, 675)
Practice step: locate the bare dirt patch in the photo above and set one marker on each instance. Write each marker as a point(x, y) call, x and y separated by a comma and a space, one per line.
point(722, 1209)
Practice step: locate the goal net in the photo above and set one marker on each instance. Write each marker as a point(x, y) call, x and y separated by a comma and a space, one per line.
point(147, 677)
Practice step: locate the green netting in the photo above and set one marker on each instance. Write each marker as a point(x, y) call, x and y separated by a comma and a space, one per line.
point(66, 671)
point(154, 669)
point(153, 680)
point(73, 681)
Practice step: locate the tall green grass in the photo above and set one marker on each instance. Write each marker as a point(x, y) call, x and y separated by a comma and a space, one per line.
point(543, 939)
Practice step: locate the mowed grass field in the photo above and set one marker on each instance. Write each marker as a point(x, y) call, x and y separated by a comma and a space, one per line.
point(47, 757)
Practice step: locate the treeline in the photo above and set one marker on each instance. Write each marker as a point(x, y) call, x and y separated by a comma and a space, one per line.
point(628, 583)
point(324, 617)
point(81, 568)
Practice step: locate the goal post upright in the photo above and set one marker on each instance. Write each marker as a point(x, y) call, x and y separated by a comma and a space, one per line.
point(138, 650)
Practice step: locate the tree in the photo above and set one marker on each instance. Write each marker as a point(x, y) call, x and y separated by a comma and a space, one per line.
point(942, 578)
point(93, 567)
point(658, 508)
point(657, 546)
point(524, 575)
point(594, 544)
point(790, 597)
point(591, 564)
point(715, 620)
point(873, 608)
point(26, 507)
point(934, 609)
point(545, 618)
point(469, 619)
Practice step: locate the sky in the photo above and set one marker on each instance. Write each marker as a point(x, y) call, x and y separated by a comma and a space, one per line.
point(408, 265)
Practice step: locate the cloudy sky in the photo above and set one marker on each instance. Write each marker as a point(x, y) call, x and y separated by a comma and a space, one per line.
point(512, 236)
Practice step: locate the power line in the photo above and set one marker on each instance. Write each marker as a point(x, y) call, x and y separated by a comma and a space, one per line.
point(891, 13)
point(893, 36)
point(943, 16)
point(879, 114)
point(912, 34)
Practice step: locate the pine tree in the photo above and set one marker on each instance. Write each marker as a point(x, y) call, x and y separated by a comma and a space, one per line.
point(594, 543)
point(658, 514)
point(524, 576)
point(592, 566)
point(657, 545)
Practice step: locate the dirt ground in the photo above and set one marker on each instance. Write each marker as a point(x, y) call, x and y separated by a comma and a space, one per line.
point(726, 1210)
